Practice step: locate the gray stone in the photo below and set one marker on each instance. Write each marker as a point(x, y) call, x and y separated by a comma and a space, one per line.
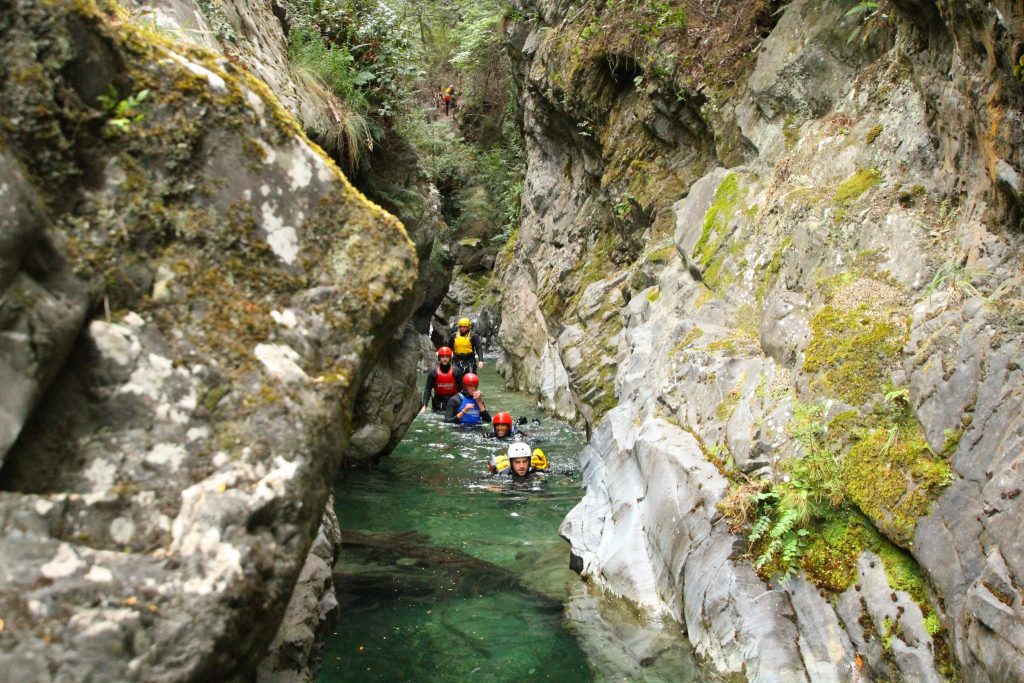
point(388, 400)
point(311, 612)
point(172, 480)
point(785, 329)
point(42, 303)
point(825, 647)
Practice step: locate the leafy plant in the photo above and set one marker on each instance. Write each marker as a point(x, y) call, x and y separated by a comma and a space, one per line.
point(123, 112)
point(899, 396)
point(957, 278)
point(781, 529)
point(624, 207)
point(873, 13)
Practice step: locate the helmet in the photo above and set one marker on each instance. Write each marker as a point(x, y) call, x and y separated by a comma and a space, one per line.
point(464, 322)
point(502, 419)
point(519, 450)
point(470, 379)
point(444, 352)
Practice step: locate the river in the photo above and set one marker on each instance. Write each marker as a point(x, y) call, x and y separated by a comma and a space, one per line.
point(448, 576)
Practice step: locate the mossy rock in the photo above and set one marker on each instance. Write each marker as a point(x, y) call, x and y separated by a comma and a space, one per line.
point(893, 476)
point(720, 214)
point(853, 187)
point(852, 352)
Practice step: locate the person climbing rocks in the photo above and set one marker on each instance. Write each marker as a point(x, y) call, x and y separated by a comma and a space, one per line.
point(519, 462)
point(469, 355)
point(448, 97)
point(466, 408)
point(444, 381)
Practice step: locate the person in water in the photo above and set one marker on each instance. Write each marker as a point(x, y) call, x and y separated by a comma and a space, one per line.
point(502, 428)
point(467, 408)
point(519, 463)
point(444, 381)
point(469, 355)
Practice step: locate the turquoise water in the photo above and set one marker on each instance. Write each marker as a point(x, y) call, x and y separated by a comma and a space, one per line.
point(452, 576)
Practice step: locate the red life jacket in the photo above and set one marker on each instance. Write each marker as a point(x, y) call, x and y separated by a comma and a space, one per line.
point(444, 382)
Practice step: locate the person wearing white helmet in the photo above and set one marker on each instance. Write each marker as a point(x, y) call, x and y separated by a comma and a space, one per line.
point(520, 462)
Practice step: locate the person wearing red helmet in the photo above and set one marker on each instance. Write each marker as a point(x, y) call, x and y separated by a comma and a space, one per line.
point(503, 428)
point(467, 407)
point(444, 381)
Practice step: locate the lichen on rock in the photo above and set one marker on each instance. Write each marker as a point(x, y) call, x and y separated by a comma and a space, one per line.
point(237, 289)
point(840, 247)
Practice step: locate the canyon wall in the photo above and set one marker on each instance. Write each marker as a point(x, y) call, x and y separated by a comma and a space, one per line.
point(771, 257)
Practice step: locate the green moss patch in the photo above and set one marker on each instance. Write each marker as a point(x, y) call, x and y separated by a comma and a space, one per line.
point(693, 335)
point(893, 476)
point(856, 185)
point(719, 215)
point(853, 352)
point(662, 254)
point(862, 482)
point(769, 274)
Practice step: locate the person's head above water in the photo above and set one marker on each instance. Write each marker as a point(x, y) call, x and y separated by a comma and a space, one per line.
point(519, 455)
point(502, 425)
point(470, 382)
point(444, 355)
point(464, 325)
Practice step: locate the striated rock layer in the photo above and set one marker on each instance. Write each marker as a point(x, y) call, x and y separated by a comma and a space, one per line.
point(767, 242)
point(193, 294)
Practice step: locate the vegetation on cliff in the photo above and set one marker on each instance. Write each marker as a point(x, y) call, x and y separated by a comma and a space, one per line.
point(384, 62)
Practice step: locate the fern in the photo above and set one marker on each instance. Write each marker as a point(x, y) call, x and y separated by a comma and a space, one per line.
point(793, 550)
point(768, 553)
point(761, 527)
point(785, 523)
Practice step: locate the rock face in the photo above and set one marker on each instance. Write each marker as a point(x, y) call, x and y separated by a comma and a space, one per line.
point(219, 290)
point(734, 276)
point(389, 399)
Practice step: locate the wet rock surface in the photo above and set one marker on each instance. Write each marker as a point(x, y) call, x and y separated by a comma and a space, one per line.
point(173, 479)
point(848, 234)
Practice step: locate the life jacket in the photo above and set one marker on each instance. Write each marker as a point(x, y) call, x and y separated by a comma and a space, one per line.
point(463, 346)
point(448, 95)
point(501, 465)
point(472, 416)
point(444, 383)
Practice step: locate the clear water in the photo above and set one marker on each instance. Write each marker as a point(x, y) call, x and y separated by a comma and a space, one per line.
point(449, 576)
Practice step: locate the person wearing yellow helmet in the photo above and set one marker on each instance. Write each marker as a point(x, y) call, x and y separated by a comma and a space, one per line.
point(465, 344)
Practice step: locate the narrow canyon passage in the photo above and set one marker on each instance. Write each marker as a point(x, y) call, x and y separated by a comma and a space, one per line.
point(456, 577)
point(765, 256)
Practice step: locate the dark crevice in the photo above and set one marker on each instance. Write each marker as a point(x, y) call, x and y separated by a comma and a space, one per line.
point(621, 70)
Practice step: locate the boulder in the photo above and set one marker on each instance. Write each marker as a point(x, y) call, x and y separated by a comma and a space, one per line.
point(174, 477)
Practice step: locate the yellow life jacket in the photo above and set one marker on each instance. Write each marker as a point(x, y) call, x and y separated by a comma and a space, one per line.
point(463, 346)
point(538, 461)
